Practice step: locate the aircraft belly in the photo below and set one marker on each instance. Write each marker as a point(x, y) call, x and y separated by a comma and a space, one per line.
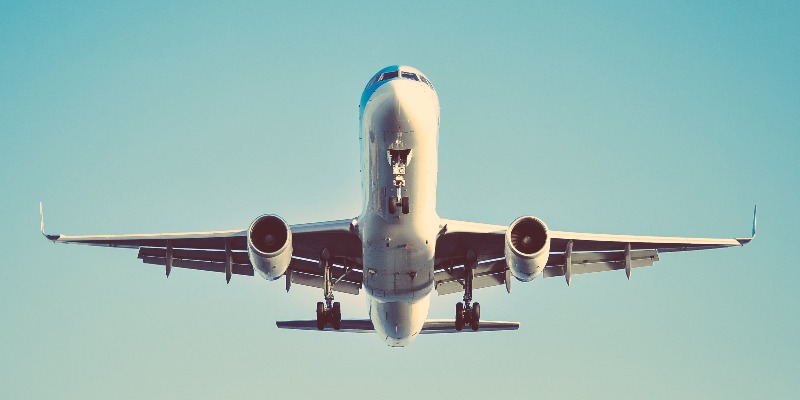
point(398, 248)
point(400, 119)
point(398, 263)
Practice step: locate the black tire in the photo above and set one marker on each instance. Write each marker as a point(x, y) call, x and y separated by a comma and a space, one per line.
point(405, 205)
point(476, 316)
point(459, 316)
point(320, 315)
point(337, 316)
point(392, 205)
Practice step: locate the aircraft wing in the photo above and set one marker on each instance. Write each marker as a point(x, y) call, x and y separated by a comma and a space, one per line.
point(571, 253)
point(208, 251)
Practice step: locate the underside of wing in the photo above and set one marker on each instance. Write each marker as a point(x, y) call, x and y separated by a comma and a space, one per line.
point(570, 253)
point(227, 252)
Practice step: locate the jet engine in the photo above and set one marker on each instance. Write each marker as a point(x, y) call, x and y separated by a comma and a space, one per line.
point(527, 247)
point(269, 245)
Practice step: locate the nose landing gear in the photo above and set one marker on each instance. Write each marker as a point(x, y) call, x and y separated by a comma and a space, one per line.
point(399, 159)
point(466, 313)
point(394, 203)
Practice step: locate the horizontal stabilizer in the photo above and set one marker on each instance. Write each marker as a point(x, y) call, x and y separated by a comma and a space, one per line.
point(431, 326)
point(348, 325)
point(449, 326)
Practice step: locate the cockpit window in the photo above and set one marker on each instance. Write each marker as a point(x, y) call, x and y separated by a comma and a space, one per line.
point(409, 75)
point(413, 76)
point(373, 80)
point(427, 82)
point(389, 75)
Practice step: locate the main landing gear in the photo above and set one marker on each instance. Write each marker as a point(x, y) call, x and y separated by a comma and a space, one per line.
point(329, 312)
point(399, 160)
point(329, 315)
point(466, 313)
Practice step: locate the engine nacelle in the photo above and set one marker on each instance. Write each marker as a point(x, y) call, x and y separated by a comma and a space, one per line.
point(527, 247)
point(269, 245)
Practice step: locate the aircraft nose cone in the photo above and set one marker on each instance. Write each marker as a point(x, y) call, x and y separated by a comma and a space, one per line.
point(408, 96)
point(407, 105)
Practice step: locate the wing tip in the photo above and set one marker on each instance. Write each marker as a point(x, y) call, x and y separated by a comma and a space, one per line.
point(51, 238)
point(744, 241)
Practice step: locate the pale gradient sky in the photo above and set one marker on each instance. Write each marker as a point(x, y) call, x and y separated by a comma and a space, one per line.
point(670, 118)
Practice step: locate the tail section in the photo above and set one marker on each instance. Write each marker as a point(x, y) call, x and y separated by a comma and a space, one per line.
point(431, 326)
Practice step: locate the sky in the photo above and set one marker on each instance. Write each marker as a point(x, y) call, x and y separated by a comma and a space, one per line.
point(654, 118)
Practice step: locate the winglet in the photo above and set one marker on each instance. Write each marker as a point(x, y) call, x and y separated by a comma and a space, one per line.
point(744, 241)
point(41, 225)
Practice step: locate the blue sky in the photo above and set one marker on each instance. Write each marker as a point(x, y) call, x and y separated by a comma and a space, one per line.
point(668, 118)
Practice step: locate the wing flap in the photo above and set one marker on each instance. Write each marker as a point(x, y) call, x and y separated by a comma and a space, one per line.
point(318, 282)
point(237, 269)
point(457, 286)
point(487, 274)
point(492, 273)
point(457, 272)
point(558, 259)
point(310, 267)
point(238, 257)
point(599, 266)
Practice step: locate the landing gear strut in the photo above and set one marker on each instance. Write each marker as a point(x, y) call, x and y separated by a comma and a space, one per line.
point(466, 313)
point(399, 160)
point(329, 312)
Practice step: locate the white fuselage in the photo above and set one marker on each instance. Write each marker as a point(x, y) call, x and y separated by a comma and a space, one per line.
point(398, 249)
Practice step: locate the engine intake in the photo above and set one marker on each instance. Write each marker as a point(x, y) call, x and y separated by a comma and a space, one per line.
point(527, 247)
point(269, 246)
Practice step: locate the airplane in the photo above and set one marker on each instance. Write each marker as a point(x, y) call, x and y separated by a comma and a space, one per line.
point(398, 249)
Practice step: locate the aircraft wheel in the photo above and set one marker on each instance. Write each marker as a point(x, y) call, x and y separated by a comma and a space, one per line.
point(459, 316)
point(337, 316)
point(405, 205)
point(392, 205)
point(476, 316)
point(320, 316)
